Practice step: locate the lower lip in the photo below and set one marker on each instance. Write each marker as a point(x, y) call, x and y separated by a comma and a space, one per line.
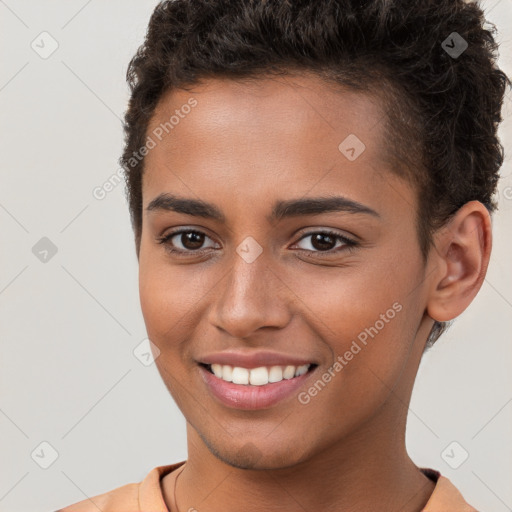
point(240, 396)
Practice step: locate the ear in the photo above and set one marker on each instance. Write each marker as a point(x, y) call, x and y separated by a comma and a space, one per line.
point(461, 255)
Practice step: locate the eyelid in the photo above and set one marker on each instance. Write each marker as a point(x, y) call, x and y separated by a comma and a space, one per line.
point(165, 241)
point(311, 230)
point(347, 242)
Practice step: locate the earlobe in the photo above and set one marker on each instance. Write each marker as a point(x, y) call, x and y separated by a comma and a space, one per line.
point(462, 252)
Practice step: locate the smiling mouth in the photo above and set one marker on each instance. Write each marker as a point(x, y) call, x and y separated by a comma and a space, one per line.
point(259, 376)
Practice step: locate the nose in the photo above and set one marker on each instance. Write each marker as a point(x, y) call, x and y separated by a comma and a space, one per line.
point(249, 298)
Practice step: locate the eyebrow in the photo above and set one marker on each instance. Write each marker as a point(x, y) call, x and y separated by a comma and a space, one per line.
point(281, 209)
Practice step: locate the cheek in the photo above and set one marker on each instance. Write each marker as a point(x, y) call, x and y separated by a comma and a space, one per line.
point(169, 295)
point(366, 318)
point(170, 300)
point(348, 302)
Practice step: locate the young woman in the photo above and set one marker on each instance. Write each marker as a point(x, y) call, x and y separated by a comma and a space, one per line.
point(310, 187)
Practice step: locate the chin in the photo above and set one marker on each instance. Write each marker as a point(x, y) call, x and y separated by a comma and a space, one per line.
point(250, 456)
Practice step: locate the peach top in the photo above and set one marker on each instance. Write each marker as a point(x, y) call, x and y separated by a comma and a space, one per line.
point(146, 496)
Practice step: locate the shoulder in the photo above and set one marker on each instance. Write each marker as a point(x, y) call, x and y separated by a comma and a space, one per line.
point(445, 496)
point(132, 497)
point(125, 498)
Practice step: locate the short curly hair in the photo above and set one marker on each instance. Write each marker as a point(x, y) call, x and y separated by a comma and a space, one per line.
point(442, 110)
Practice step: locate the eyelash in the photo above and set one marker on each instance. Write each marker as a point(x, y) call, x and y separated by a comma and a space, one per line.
point(349, 243)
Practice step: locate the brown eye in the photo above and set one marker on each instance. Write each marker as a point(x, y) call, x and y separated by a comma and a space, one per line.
point(192, 239)
point(186, 241)
point(325, 241)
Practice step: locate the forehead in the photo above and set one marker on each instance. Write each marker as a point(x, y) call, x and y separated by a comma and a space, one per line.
point(295, 104)
point(266, 134)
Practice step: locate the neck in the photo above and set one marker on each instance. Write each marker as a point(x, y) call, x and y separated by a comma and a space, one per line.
point(368, 471)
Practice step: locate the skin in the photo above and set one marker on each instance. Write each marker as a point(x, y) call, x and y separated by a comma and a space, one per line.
point(243, 147)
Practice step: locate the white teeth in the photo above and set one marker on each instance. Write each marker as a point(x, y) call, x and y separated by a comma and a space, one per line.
point(301, 370)
point(275, 374)
point(240, 375)
point(217, 370)
point(227, 372)
point(289, 372)
point(257, 376)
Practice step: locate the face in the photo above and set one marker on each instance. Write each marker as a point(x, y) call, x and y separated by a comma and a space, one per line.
point(249, 266)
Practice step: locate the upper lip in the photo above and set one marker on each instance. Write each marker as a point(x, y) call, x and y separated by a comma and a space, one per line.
point(253, 359)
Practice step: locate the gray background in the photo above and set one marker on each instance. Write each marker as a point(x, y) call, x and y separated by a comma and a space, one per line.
point(68, 326)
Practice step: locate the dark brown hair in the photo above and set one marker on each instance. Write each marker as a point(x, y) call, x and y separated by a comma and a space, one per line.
point(442, 109)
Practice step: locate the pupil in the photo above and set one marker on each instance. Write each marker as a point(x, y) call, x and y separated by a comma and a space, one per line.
point(317, 241)
point(192, 240)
